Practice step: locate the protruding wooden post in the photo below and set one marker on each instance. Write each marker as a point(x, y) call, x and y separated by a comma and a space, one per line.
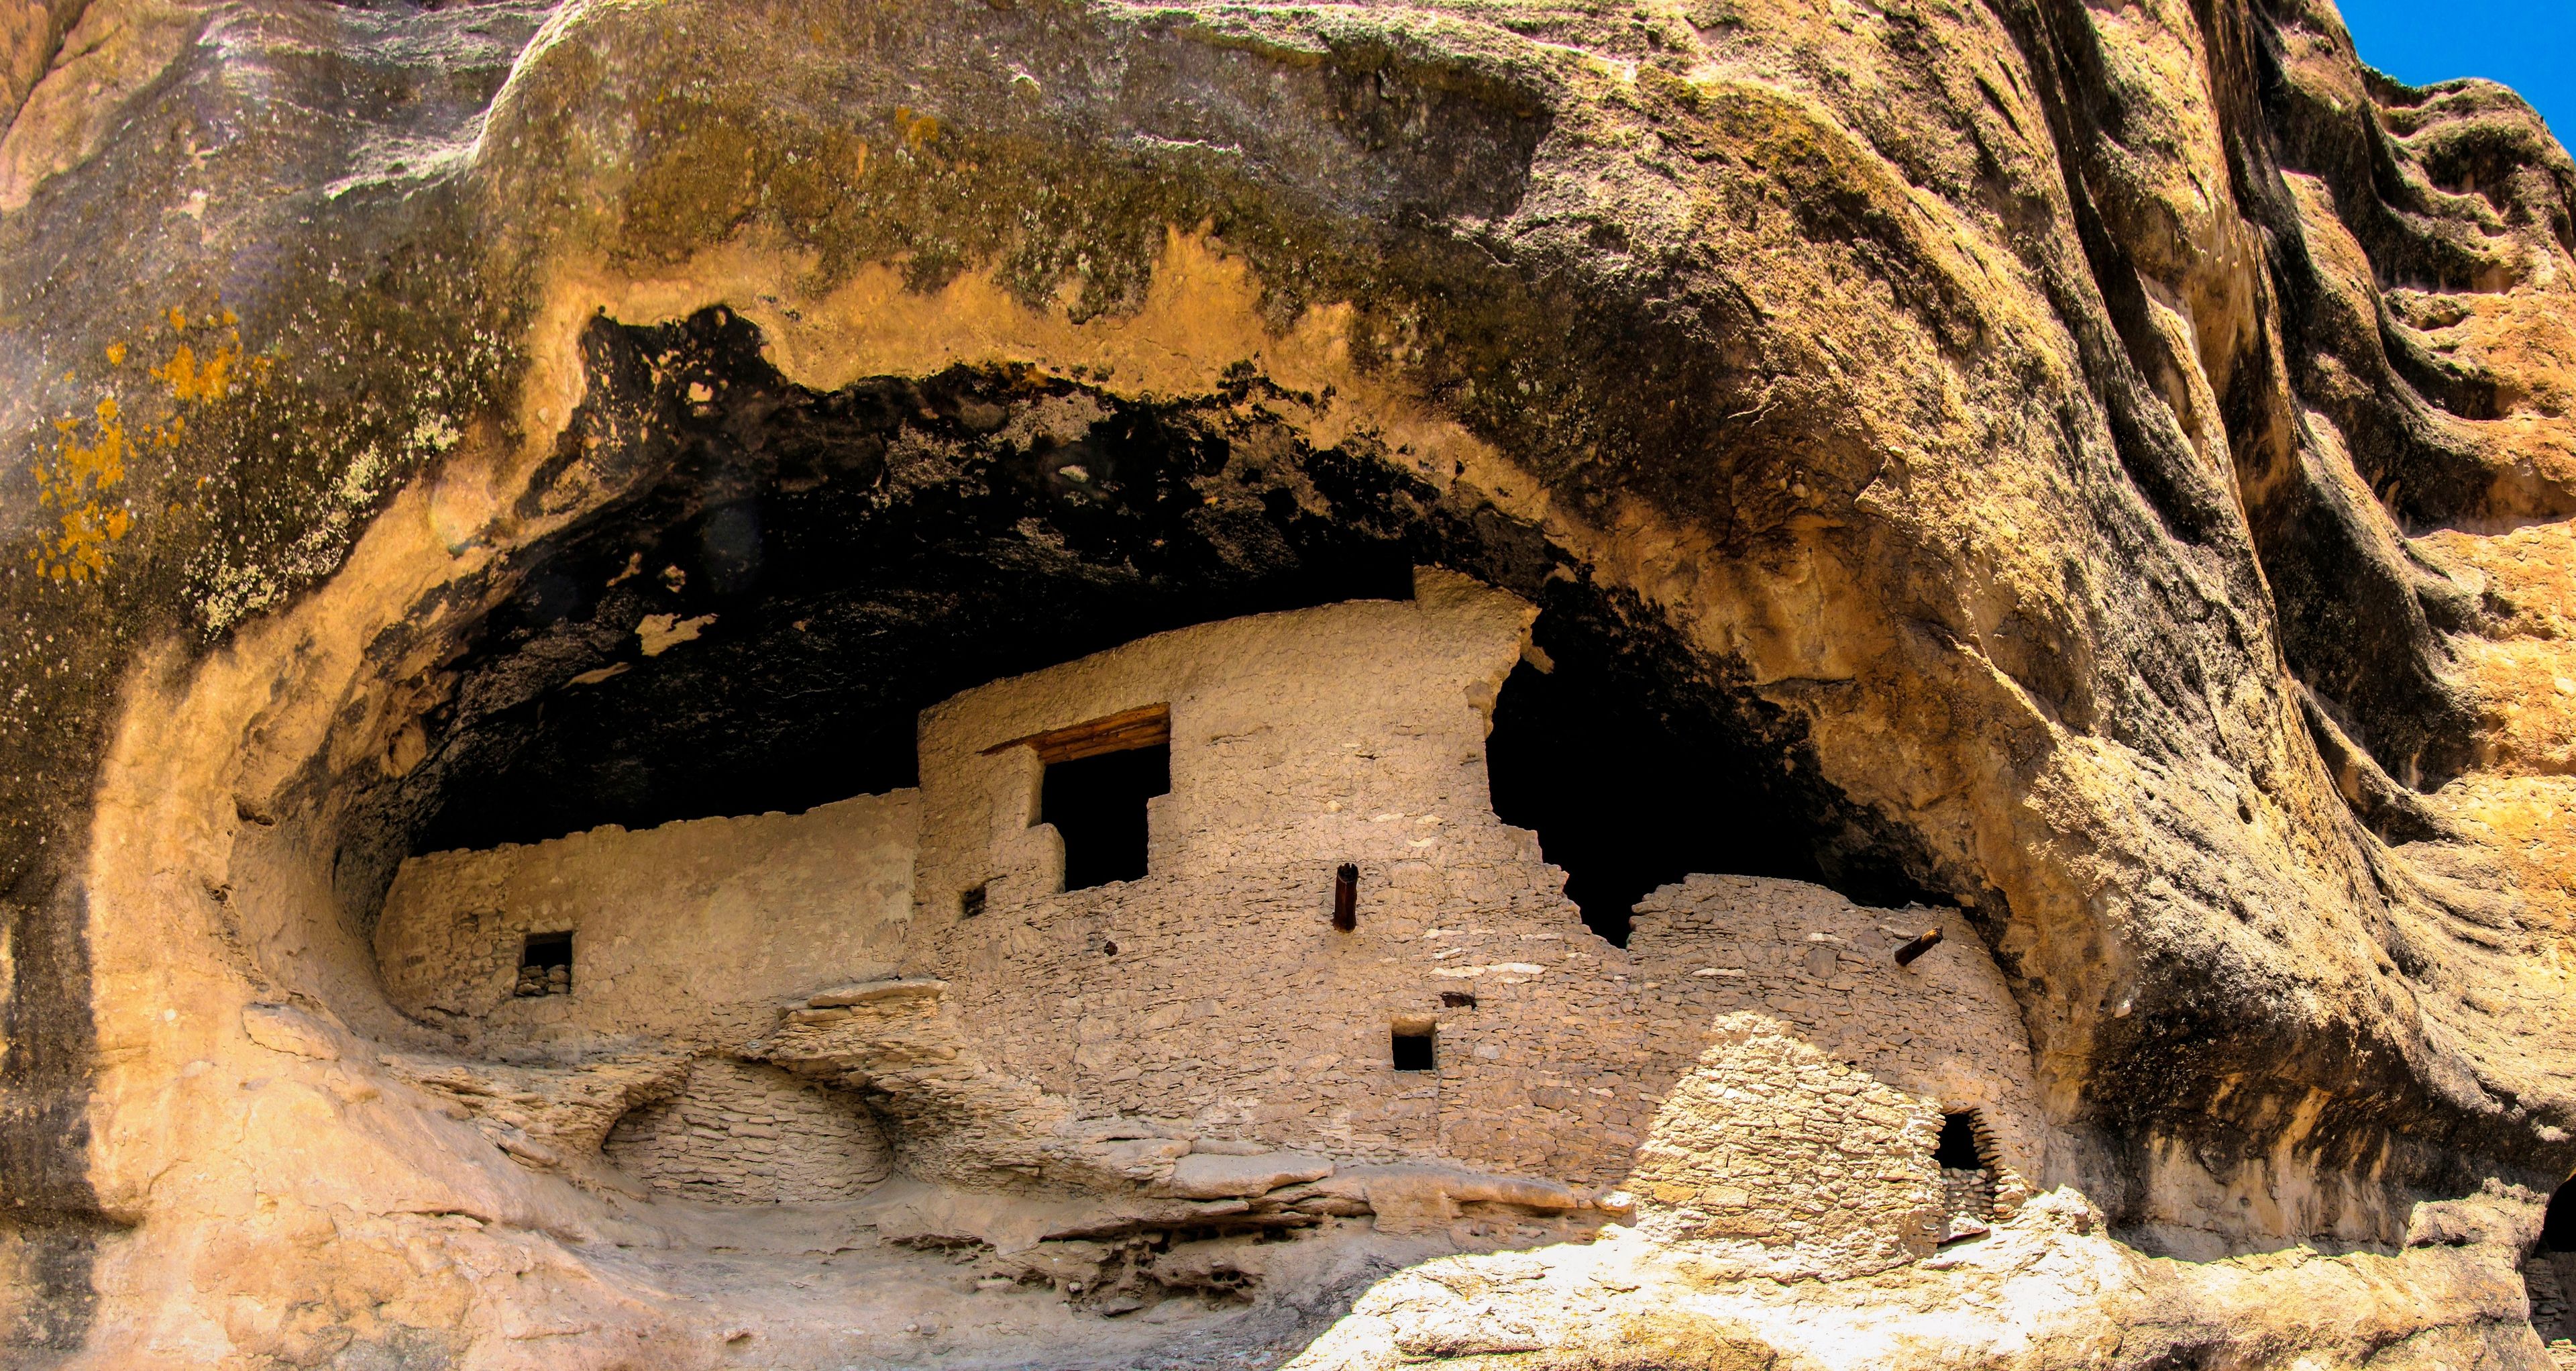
point(1931, 939)
point(1346, 897)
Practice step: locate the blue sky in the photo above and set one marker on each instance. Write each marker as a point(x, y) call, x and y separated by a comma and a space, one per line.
point(2529, 45)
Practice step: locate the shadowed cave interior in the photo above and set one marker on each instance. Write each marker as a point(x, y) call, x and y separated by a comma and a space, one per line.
point(801, 572)
point(2128, 439)
point(798, 574)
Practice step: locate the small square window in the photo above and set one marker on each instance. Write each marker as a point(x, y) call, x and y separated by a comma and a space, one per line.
point(1413, 1049)
point(970, 902)
point(545, 965)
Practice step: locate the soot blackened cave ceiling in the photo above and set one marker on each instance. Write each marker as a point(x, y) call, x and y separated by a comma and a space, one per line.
point(806, 570)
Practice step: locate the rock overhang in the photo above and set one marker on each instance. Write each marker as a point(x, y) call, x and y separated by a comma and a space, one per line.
point(2059, 923)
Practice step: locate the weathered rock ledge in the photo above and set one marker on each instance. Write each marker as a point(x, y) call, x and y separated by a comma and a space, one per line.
point(2096, 480)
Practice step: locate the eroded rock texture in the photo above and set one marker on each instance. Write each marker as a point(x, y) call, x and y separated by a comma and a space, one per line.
point(2103, 471)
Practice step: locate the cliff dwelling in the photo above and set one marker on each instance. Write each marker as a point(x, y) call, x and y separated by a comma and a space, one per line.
point(1108, 909)
point(1084, 688)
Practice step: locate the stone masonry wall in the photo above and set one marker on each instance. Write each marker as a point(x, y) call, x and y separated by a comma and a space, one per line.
point(1944, 1030)
point(1768, 1145)
point(1215, 990)
point(1756, 1036)
point(739, 1133)
point(690, 934)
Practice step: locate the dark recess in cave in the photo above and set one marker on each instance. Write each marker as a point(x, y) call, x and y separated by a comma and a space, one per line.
point(847, 558)
point(2558, 1222)
point(2549, 1269)
point(1636, 771)
point(864, 552)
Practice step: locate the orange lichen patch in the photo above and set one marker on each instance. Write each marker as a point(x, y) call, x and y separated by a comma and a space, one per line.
point(77, 482)
point(207, 380)
point(80, 477)
point(211, 376)
point(919, 130)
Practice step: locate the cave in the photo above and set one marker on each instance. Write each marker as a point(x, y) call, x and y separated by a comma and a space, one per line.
point(822, 620)
point(990, 689)
point(1602, 514)
point(832, 596)
point(799, 573)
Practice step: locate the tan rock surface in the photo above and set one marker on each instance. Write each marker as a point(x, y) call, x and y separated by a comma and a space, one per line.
point(2091, 479)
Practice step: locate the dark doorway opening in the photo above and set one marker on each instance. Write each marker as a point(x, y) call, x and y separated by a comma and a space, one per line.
point(1414, 1050)
point(2558, 1223)
point(2549, 1273)
point(1639, 764)
point(1957, 1150)
point(1098, 804)
point(1966, 1157)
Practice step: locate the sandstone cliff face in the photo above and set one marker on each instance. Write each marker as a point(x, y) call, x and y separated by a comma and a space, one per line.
point(2105, 468)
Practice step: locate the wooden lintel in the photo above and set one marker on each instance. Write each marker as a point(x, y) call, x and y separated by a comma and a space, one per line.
point(1118, 732)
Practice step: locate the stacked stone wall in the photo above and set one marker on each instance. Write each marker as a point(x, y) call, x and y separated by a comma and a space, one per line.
point(1216, 991)
point(1215, 995)
point(1768, 1144)
point(740, 1133)
point(1944, 1029)
point(690, 934)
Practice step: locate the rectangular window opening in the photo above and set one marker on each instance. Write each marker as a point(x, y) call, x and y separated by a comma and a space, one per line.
point(545, 964)
point(1414, 1049)
point(1098, 777)
point(970, 902)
